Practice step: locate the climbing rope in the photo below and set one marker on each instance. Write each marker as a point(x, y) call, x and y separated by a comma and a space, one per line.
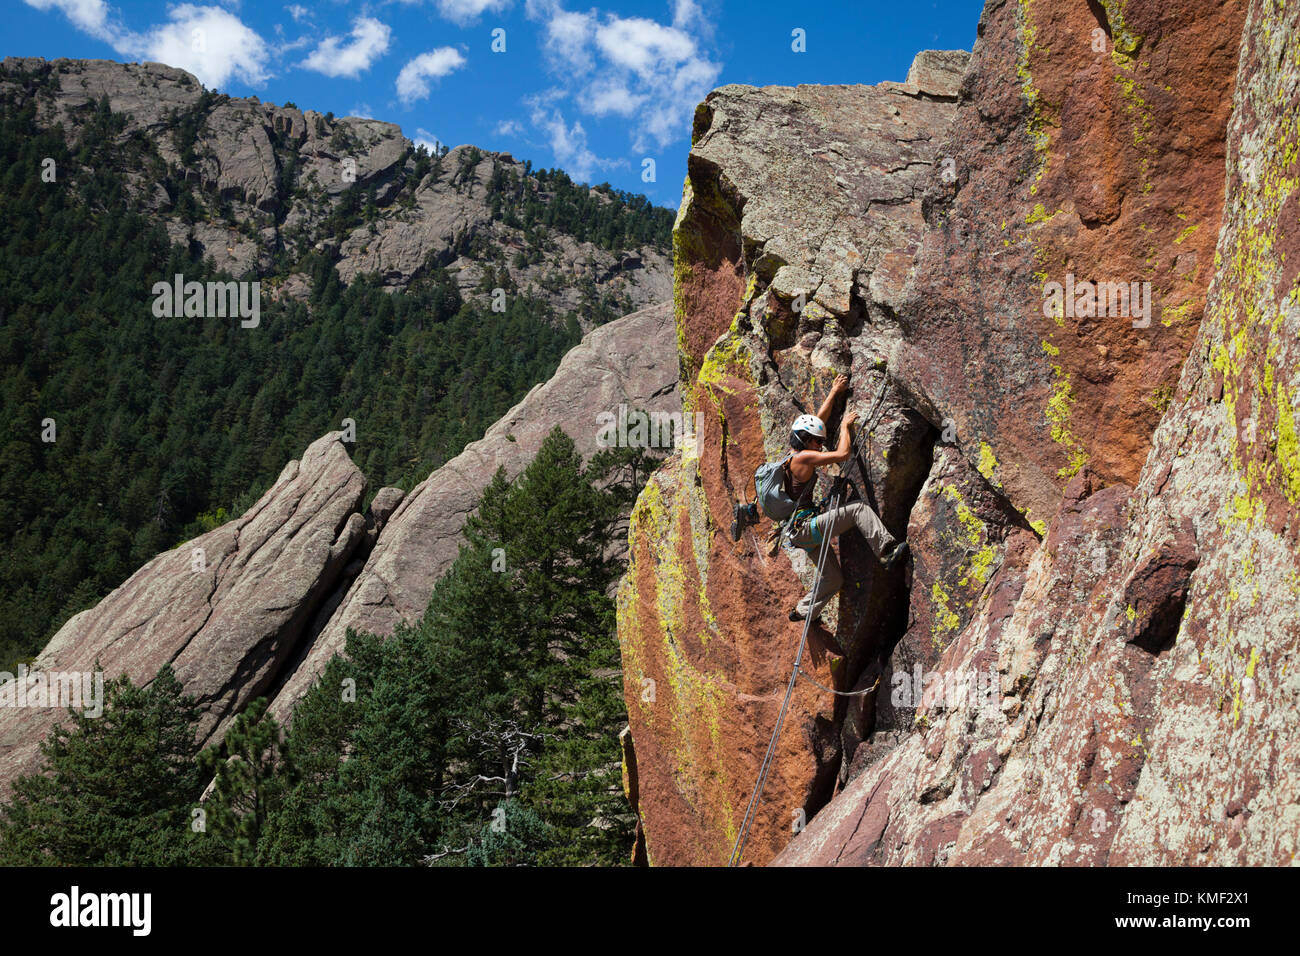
point(864, 467)
point(756, 797)
point(763, 769)
point(840, 693)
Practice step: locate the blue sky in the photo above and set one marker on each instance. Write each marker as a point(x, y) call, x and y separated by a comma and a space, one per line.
point(592, 89)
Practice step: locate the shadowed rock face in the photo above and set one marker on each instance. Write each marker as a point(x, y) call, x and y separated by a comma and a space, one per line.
point(1147, 650)
point(226, 609)
point(1090, 600)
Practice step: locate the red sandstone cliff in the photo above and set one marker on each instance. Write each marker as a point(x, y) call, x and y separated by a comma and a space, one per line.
point(1126, 592)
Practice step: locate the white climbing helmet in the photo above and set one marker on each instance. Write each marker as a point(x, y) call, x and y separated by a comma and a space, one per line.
point(809, 425)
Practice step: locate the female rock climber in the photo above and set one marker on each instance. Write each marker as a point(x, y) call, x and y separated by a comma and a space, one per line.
point(807, 528)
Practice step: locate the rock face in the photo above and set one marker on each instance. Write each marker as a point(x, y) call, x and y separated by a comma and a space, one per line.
point(258, 606)
point(271, 177)
point(801, 211)
point(1098, 159)
point(1091, 657)
point(628, 361)
point(451, 206)
point(226, 609)
point(1143, 653)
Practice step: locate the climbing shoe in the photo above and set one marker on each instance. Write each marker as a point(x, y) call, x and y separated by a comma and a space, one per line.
point(898, 555)
point(742, 516)
point(797, 615)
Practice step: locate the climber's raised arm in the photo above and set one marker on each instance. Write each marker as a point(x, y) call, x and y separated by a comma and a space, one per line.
point(840, 386)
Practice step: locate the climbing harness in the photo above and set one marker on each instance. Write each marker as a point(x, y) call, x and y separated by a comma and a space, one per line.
point(837, 491)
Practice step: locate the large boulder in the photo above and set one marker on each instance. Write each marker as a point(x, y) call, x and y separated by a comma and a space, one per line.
point(227, 610)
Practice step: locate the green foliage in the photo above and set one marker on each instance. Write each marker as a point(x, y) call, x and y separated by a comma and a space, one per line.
point(186, 125)
point(116, 790)
point(531, 664)
point(612, 219)
point(484, 736)
point(251, 769)
point(517, 836)
point(501, 708)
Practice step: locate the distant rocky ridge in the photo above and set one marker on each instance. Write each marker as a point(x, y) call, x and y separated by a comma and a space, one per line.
point(271, 176)
point(258, 606)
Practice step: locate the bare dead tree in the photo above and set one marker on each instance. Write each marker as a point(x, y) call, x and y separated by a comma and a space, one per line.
point(503, 742)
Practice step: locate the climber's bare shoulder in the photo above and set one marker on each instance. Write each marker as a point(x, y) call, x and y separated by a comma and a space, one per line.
point(804, 463)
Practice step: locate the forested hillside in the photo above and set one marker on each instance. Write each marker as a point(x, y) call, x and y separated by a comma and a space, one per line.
point(125, 434)
point(486, 734)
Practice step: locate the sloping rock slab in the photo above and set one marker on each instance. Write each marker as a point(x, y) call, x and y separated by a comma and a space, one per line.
point(628, 361)
point(225, 609)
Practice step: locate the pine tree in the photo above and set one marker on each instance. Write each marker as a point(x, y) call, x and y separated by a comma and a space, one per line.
point(252, 769)
point(488, 733)
point(116, 790)
point(307, 827)
point(527, 602)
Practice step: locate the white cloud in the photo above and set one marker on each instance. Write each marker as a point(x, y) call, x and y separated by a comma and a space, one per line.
point(568, 143)
point(298, 12)
point(642, 45)
point(610, 96)
point(88, 15)
point(363, 110)
point(467, 11)
point(211, 43)
point(650, 73)
point(412, 82)
point(687, 14)
point(426, 139)
point(285, 47)
point(567, 37)
point(334, 57)
point(508, 128)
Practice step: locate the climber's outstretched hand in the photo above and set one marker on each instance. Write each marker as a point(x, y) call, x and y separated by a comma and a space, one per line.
point(838, 388)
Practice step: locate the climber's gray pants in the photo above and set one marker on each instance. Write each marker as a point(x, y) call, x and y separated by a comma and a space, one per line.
point(856, 514)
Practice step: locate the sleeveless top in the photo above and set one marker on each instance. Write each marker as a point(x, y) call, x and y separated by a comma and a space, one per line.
point(799, 491)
